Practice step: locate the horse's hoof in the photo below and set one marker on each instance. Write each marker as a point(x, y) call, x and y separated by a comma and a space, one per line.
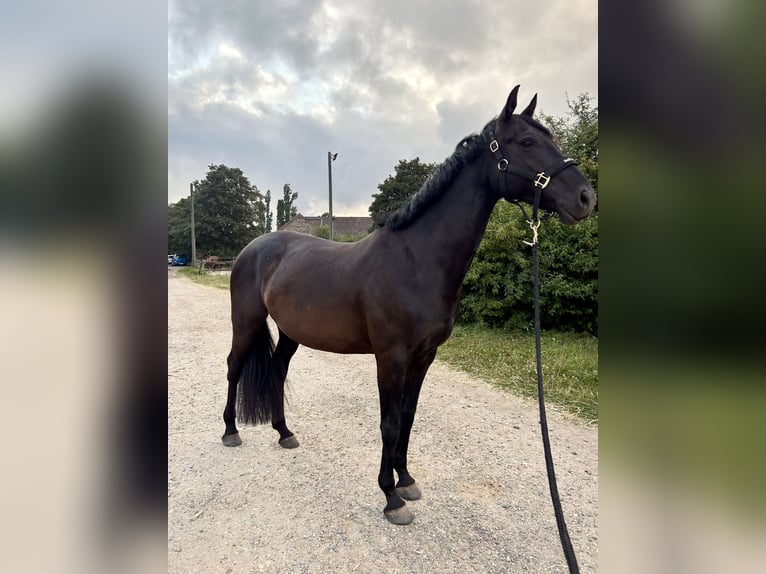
point(289, 442)
point(411, 492)
point(401, 515)
point(231, 439)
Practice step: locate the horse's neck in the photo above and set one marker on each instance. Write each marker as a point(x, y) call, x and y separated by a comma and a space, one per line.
point(449, 232)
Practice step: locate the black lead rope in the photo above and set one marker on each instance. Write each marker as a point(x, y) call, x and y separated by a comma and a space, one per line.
point(540, 181)
point(566, 543)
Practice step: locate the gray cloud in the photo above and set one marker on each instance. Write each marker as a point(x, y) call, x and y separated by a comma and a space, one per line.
point(271, 87)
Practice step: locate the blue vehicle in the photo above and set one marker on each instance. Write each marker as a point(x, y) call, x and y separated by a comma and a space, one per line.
point(180, 261)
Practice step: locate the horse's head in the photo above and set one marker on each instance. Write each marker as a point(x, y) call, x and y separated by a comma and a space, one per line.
point(528, 161)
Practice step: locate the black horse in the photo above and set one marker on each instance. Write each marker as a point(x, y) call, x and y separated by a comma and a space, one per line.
point(395, 293)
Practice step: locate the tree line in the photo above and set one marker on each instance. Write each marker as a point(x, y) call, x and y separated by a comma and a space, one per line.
point(229, 211)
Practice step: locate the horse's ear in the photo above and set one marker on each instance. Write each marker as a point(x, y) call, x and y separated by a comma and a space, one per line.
point(530, 109)
point(510, 105)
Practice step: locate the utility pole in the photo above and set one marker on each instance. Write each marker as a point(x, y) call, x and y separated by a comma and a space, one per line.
point(193, 239)
point(330, 158)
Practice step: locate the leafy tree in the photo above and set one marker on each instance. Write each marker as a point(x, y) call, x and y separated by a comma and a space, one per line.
point(397, 189)
point(578, 135)
point(179, 227)
point(286, 208)
point(228, 210)
point(269, 214)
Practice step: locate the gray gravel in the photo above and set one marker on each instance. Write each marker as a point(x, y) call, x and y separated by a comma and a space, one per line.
point(475, 451)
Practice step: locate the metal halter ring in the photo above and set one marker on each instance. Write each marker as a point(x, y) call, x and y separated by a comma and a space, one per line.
point(502, 165)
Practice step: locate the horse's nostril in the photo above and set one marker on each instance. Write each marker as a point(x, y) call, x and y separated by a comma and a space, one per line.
point(585, 197)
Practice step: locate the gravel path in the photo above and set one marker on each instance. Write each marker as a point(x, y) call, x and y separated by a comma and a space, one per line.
point(475, 451)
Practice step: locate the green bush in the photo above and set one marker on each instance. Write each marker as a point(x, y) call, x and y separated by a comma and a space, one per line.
point(323, 231)
point(498, 288)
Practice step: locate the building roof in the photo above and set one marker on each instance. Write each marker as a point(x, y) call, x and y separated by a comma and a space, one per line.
point(341, 225)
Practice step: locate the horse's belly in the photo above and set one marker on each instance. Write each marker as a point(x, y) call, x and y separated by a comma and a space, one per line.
point(324, 332)
point(315, 300)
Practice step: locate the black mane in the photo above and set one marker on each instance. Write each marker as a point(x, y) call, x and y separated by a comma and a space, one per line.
point(466, 152)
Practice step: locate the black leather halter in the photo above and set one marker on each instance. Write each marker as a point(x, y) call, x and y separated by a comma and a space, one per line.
point(540, 179)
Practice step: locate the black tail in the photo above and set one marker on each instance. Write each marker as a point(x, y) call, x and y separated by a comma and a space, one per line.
point(259, 385)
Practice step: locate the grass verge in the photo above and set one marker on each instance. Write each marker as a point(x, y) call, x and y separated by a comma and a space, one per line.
point(507, 360)
point(210, 279)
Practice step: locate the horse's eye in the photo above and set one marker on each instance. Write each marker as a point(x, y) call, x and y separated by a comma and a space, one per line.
point(527, 142)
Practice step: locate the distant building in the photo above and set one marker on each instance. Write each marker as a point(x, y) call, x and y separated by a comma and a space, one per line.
point(342, 226)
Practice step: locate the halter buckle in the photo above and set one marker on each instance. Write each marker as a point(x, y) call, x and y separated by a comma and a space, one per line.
point(494, 146)
point(542, 180)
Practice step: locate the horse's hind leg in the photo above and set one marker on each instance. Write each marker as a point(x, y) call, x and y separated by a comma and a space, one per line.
point(245, 331)
point(231, 434)
point(240, 346)
point(285, 350)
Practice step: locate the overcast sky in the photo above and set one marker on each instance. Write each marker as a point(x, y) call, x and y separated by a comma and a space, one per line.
point(271, 87)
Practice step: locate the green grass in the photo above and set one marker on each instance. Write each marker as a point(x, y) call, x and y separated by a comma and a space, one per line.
point(507, 360)
point(217, 280)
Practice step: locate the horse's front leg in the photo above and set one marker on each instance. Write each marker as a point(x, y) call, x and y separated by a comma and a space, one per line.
point(416, 372)
point(391, 374)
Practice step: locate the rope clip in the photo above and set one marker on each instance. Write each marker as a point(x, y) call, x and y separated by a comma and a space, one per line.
point(534, 225)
